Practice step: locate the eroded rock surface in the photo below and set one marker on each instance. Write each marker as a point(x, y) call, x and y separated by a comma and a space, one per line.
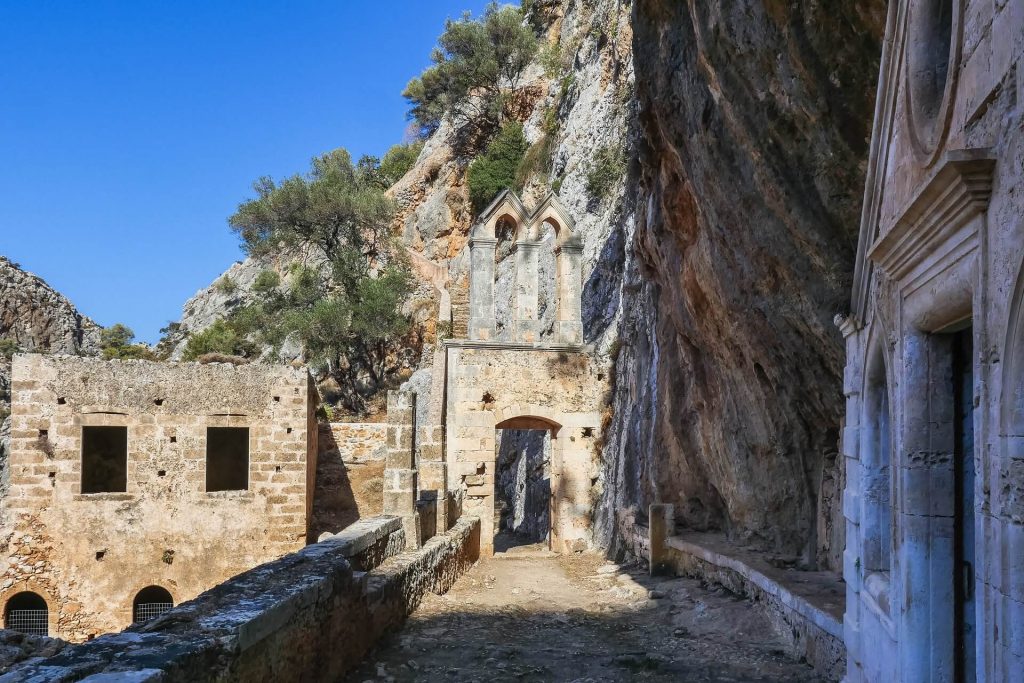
point(36, 317)
point(755, 119)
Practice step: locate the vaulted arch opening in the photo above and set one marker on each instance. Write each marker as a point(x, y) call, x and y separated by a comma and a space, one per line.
point(150, 603)
point(522, 483)
point(27, 612)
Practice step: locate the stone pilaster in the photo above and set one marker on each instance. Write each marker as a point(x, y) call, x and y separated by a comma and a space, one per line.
point(433, 471)
point(570, 291)
point(526, 324)
point(481, 287)
point(400, 475)
point(662, 523)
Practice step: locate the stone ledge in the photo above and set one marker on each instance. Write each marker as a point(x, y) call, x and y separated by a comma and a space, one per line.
point(515, 346)
point(360, 535)
point(812, 605)
point(809, 604)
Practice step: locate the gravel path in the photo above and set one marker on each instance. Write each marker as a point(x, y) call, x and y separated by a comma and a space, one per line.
point(536, 616)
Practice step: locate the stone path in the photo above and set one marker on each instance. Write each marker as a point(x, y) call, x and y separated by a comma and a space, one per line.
point(530, 615)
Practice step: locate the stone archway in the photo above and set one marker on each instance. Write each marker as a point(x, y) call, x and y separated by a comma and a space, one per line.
point(526, 461)
point(499, 385)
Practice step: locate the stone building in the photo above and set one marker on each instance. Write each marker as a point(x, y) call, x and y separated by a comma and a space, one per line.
point(934, 437)
point(136, 485)
point(511, 377)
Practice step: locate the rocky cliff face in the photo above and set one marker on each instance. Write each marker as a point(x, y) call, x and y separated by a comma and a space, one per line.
point(36, 318)
point(755, 124)
point(590, 98)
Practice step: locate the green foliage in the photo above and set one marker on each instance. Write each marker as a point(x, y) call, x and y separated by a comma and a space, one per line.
point(220, 337)
point(346, 311)
point(116, 343)
point(606, 169)
point(476, 71)
point(537, 160)
point(334, 207)
point(399, 160)
point(496, 169)
point(266, 282)
point(226, 286)
point(8, 347)
point(116, 335)
point(551, 59)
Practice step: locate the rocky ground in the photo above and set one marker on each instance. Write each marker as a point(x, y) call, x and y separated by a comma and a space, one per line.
point(17, 647)
point(531, 615)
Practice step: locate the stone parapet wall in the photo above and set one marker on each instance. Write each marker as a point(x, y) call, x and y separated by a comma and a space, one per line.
point(308, 616)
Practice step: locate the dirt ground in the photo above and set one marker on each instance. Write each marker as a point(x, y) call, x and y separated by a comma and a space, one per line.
point(531, 615)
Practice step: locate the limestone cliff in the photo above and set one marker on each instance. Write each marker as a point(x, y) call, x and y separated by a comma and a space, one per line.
point(582, 105)
point(36, 318)
point(755, 123)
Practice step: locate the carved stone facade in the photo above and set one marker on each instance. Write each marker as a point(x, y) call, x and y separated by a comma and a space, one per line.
point(130, 474)
point(934, 381)
point(508, 378)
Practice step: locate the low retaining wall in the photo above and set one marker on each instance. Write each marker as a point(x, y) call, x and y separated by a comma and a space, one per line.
point(309, 616)
point(801, 605)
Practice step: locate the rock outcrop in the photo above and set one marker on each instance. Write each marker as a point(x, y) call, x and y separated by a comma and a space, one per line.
point(755, 120)
point(36, 317)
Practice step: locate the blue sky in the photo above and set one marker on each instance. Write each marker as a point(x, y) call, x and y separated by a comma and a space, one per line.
point(131, 130)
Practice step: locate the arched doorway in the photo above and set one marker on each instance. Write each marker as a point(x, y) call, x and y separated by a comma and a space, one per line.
point(27, 612)
point(151, 602)
point(523, 454)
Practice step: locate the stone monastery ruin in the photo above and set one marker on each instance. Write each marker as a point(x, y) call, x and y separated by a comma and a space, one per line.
point(131, 479)
point(742, 448)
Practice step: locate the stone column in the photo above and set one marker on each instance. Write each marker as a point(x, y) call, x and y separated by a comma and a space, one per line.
point(433, 472)
point(854, 551)
point(570, 291)
point(481, 287)
point(526, 324)
point(662, 521)
point(400, 476)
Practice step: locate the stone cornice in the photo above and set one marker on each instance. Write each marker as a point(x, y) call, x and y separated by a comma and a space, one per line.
point(491, 345)
point(958, 191)
point(483, 241)
point(573, 247)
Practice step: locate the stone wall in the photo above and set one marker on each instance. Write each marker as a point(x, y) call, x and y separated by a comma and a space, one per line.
point(349, 474)
point(934, 498)
point(89, 554)
point(508, 386)
point(308, 616)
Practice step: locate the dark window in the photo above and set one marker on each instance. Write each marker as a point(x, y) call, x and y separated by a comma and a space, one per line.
point(104, 459)
point(26, 612)
point(151, 602)
point(227, 458)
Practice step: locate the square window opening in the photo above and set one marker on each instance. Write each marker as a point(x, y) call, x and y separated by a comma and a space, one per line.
point(104, 459)
point(227, 458)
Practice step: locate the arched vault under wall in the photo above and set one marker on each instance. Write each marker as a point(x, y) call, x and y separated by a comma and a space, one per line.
point(524, 386)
